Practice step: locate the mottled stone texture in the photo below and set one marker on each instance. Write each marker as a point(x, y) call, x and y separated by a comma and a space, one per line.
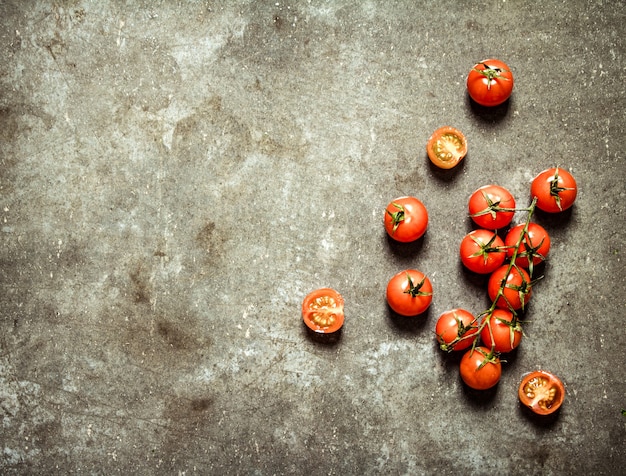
point(176, 176)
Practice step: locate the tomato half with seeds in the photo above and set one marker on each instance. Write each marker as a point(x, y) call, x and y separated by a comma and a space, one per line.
point(482, 251)
point(456, 330)
point(555, 189)
point(446, 147)
point(492, 207)
point(490, 82)
point(533, 248)
point(406, 219)
point(516, 287)
point(480, 368)
point(542, 392)
point(322, 310)
point(409, 292)
point(502, 332)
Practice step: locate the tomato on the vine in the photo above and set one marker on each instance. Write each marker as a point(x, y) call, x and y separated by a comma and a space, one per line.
point(480, 368)
point(492, 207)
point(455, 329)
point(446, 147)
point(322, 310)
point(542, 392)
point(406, 219)
point(502, 332)
point(490, 82)
point(515, 284)
point(409, 292)
point(482, 251)
point(533, 248)
point(555, 189)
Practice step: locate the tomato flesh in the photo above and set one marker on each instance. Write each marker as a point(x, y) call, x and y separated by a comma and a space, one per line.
point(446, 147)
point(322, 310)
point(542, 392)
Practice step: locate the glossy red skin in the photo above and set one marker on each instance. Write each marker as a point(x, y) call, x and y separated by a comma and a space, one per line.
point(534, 236)
point(476, 377)
point(473, 243)
point(403, 303)
point(542, 402)
point(415, 220)
point(541, 187)
point(447, 329)
point(310, 307)
point(490, 93)
point(500, 335)
point(515, 278)
point(479, 201)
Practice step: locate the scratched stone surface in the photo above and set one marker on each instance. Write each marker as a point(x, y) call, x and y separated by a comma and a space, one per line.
point(175, 177)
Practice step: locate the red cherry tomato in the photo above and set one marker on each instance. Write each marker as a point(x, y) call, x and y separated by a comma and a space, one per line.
point(533, 248)
point(542, 392)
point(406, 219)
point(492, 207)
point(490, 82)
point(480, 368)
point(409, 292)
point(517, 287)
point(503, 332)
point(446, 147)
point(322, 310)
point(482, 251)
point(555, 189)
point(455, 329)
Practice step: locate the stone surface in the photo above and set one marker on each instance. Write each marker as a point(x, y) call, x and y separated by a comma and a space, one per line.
point(176, 176)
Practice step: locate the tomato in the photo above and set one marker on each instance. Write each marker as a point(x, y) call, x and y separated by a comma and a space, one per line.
point(533, 248)
point(454, 325)
point(446, 147)
point(492, 207)
point(555, 190)
point(480, 368)
point(490, 82)
point(542, 392)
point(406, 219)
point(322, 310)
point(502, 332)
point(482, 251)
point(409, 292)
point(517, 287)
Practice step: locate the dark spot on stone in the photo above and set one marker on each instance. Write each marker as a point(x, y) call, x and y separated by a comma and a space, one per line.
point(174, 337)
point(205, 236)
point(278, 22)
point(201, 404)
point(140, 286)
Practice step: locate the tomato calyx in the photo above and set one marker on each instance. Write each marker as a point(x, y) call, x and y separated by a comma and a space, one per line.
point(463, 333)
point(491, 73)
point(396, 217)
point(530, 252)
point(489, 357)
point(485, 248)
point(414, 290)
point(492, 208)
point(513, 325)
point(555, 189)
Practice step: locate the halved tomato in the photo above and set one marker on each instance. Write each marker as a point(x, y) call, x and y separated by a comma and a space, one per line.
point(322, 310)
point(446, 147)
point(542, 392)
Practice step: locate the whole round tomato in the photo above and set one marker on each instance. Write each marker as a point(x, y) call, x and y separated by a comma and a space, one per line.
point(492, 207)
point(446, 147)
point(322, 310)
point(480, 368)
point(406, 219)
point(542, 392)
point(502, 333)
point(490, 82)
point(533, 248)
point(555, 190)
point(482, 251)
point(409, 292)
point(516, 287)
point(455, 330)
